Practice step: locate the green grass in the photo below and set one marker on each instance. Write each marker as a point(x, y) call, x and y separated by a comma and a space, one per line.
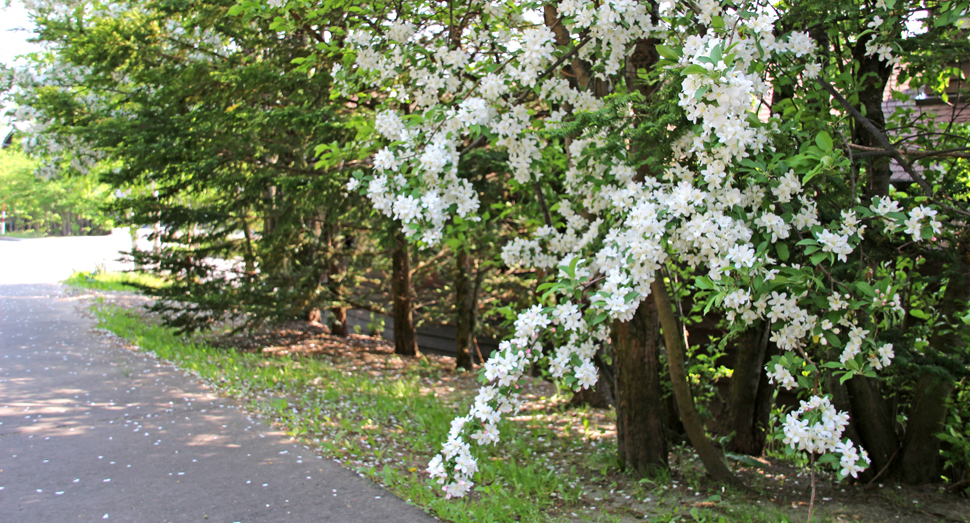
point(25, 234)
point(114, 281)
point(385, 428)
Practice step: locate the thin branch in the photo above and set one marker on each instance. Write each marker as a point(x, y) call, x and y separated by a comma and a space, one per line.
point(881, 138)
point(879, 135)
point(955, 152)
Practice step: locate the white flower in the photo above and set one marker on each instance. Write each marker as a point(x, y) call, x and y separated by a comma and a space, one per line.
point(385, 160)
point(390, 125)
point(436, 467)
point(488, 434)
point(782, 376)
point(586, 375)
point(835, 243)
point(812, 70)
point(569, 316)
point(800, 43)
point(788, 185)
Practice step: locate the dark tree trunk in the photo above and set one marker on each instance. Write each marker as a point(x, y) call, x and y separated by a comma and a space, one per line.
point(339, 325)
point(639, 397)
point(870, 415)
point(336, 268)
point(920, 457)
point(873, 74)
point(269, 221)
point(872, 421)
point(465, 305)
point(919, 460)
point(676, 343)
point(748, 400)
point(405, 340)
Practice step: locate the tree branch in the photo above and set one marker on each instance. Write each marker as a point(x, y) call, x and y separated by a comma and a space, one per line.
point(887, 145)
point(879, 135)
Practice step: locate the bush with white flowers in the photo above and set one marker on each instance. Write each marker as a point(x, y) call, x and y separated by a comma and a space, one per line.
point(728, 203)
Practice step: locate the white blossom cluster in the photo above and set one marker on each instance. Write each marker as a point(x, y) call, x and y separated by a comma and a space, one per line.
point(816, 427)
point(616, 230)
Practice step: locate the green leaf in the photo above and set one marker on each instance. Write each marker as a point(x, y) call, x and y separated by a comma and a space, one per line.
point(824, 141)
point(701, 91)
point(599, 318)
point(717, 22)
point(833, 340)
point(668, 52)
point(703, 282)
point(828, 458)
point(782, 251)
point(572, 267)
point(865, 288)
point(545, 286)
point(811, 174)
point(818, 257)
point(716, 54)
point(694, 69)
point(918, 313)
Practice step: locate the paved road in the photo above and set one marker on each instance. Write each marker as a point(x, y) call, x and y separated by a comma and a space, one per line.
point(92, 431)
point(51, 260)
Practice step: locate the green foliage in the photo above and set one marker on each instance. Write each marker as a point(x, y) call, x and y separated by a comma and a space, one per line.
point(39, 206)
point(956, 434)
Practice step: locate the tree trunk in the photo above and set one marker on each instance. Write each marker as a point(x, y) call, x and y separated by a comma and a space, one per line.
point(676, 343)
point(405, 340)
point(339, 325)
point(746, 408)
point(874, 74)
point(919, 460)
point(639, 397)
point(869, 413)
point(920, 457)
point(269, 221)
point(465, 304)
point(873, 421)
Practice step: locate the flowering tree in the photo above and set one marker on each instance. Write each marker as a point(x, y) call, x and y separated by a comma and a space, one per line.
point(737, 196)
point(743, 145)
point(721, 183)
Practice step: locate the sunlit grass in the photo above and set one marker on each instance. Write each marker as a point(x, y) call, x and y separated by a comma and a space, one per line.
point(384, 427)
point(114, 281)
point(29, 234)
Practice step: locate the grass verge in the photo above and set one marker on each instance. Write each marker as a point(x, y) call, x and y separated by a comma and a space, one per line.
point(114, 281)
point(386, 427)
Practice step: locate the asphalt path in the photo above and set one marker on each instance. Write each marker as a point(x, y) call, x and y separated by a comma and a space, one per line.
point(51, 260)
point(91, 430)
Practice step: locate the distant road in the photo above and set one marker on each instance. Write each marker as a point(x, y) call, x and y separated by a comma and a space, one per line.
point(51, 260)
